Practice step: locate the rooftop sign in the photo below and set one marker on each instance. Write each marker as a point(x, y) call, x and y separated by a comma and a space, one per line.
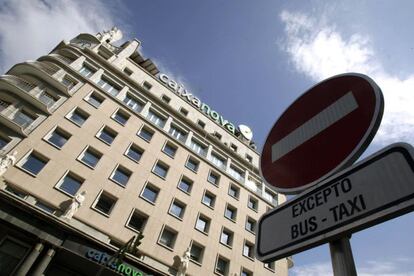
point(193, 100)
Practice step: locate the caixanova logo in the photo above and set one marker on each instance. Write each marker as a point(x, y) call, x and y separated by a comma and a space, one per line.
point(204, 108)
point(105, 259)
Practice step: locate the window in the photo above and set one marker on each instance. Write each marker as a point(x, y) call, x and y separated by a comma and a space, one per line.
point(248, 249)
point(165, 99)
point(233, 147)
point(120, 116)
point(270, 196)
point(107, 135)
point(70, 183)
point(203, 223)
point(4, 141)
point(128, 71)
point(192, 164)
point(201, 124)
point(90, 157)
point(217, 135)
point(137, 221)
point(156, 118)
point(230, 212)
point(105, 203)
point(33, 163)
point(199, 148)
point(150, 193)
point(236, 173)
point(3, 105)
point(270, 265)
point(48, 98)
point(58, 137)
point(252, 203)
point(234, 191)
point(218, 160)
point(146, 133)
point(196, 252)
point(249, 158)
point(222, 266)
point(209, 199)
point(133, 103)
point(24, 118)
point(250, 224)
point(121, 175)
point(78, 116)
point(213, 178)
point(168, 237)
point(68, 82)
point(177, 209)
point(246, 272)
point(177, 133)
point(134, 152)
point(160, 169)
point(86, 71)
point(183, 111)
point(108, 87)
point(45, 207)
point(147, 85)
point(226, 237)
point(12, 254)
point(94, 99)
point(185, 185)
point(169, 149)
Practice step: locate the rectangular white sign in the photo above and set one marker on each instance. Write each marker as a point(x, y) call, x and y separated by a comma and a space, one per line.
point(374, 190)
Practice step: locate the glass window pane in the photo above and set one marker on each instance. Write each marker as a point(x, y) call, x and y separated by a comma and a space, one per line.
point(150, 194)
point(34, 164)
point(90, 158)
point(137, 221)
point(145, 134)
point(185, 185)
point(134, 153)
point(77, 117)
point(121, 176)
point(70, 185)
point(58, 138)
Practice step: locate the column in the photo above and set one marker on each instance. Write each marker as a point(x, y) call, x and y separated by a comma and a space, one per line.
point(209, 150)
point(189, 137)
point(41, 267)
point(145, 109)
point(28, 262)
point(168, 124)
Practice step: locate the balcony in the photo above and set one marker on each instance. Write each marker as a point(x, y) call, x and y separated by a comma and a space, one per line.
point(17, 121)
point(26, 91)
point(45, 71)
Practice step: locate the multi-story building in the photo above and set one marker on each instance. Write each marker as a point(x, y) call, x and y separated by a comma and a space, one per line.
point(99, 124)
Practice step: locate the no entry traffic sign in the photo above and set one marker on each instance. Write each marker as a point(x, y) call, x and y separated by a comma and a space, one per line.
point(374, 190)
point(324, 130)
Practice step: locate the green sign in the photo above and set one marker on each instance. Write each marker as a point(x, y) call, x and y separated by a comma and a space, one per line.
point(107, 260)
point(204, 108)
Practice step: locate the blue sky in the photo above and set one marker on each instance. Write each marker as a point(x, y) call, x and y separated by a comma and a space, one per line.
point(249, 61)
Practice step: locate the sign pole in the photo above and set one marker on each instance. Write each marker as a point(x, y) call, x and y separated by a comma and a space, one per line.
point(341, 256)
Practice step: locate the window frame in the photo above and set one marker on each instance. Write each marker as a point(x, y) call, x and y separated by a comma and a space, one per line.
point(171, 146)
point(190, 182)
point(36, 155)
point(72, 175)
point(233, 210)
point(226, 272)
point(140, 213)
point(81, 113)
point(96, 201)
point(123, 170)
point(162, 165)
point(123, 113)
point(148, 130)
point(153, 188)
point(180, 204)
point(196, 162)
point(172, 230)
point(230, 237)
point(94, 151)
point(214, 197)
point(216, 174)
point(109, 131)
point(50, 133)
point(237, 191)
point(207, 221)
point(139, 149)
point(255, 202)
point(98, 98)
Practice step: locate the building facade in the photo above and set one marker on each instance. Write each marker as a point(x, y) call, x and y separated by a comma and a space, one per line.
point(99, 146)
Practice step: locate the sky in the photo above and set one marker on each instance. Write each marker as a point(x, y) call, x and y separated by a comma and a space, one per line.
point(249, 60)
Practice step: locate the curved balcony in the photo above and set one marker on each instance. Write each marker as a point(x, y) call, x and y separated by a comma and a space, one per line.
point(26, 91)
point(12, 120)
point(42, 70)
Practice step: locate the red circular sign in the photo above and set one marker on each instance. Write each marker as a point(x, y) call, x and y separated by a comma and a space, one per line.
point(323, 131)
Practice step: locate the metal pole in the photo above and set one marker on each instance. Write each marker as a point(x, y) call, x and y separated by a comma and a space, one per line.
point(342, 259)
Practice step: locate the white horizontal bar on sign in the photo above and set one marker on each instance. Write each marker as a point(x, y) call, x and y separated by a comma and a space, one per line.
point(318, 123)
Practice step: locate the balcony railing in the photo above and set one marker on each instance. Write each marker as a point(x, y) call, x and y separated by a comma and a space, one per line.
point(20, 83)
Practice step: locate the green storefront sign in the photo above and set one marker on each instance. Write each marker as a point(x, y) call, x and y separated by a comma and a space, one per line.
point(106, 260)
